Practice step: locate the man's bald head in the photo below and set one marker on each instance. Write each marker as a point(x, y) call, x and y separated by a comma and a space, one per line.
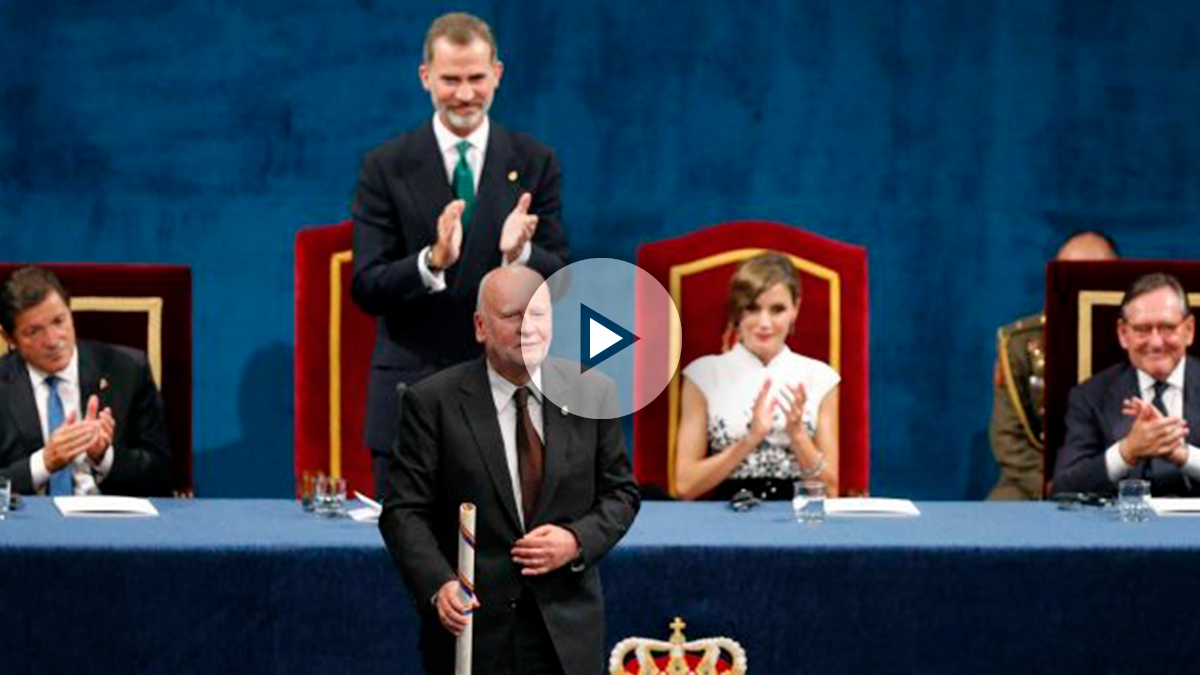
point(513, 320)
point(1089, 245)
point(517, 281)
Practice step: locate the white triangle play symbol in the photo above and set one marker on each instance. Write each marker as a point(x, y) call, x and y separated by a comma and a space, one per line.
point(601, 338)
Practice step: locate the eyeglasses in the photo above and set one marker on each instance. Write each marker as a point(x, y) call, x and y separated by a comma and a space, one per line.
point(1147, 329)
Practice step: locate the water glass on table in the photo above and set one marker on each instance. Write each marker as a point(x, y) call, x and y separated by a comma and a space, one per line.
point(329, 497)
point(809, 502)
point(1133, 500)
point(5, 496)
point(306, 489)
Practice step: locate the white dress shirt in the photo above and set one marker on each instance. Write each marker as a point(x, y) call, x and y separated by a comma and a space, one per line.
point(506, 414)
point(1173, 400)
point(447, 143)
point(85, 473)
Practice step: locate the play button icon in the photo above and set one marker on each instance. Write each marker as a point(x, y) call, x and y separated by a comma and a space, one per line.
point(601, 338)
point(613, 341)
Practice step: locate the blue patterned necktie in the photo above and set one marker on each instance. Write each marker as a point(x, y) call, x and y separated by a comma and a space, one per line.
point(61, 481)
point(464, 182)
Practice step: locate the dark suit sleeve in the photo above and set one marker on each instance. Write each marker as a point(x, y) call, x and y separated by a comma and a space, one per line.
point(549, 251)
point(141, 454)
point(17, 470)
point(1080, 464)
point(617, 499)
point(409, 512)
point(385, 265)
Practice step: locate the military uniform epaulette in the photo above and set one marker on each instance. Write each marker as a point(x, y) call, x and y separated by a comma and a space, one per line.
point(1033, 322)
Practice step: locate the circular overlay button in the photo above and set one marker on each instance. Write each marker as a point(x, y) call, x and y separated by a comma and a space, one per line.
point(615, 339)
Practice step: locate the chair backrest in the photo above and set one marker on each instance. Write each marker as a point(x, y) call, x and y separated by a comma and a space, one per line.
point(147, 307)
point(834, 327)
point(334, 339)
point(678, 655)
point(1083, 304)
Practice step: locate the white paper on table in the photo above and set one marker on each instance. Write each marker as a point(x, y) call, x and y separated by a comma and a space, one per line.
point(1175, 506)
point(368, 501)
point(871, 506)
point(104, 505)
point(365, 514)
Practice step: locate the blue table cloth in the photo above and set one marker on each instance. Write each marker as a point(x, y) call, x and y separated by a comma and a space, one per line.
point(258, 586)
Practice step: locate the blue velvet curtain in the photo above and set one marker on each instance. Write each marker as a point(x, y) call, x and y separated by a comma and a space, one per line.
point(958, 141)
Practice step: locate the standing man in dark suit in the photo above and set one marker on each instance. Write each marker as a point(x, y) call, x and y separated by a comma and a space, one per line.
point(552, 491)
point(435, 209)
point(1134, 419)
point(75, 418)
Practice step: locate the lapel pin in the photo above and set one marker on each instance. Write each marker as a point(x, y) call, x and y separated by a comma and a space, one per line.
point(512, 176)
point(103, 384)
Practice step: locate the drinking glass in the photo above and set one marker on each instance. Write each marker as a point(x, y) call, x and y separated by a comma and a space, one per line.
point(809, 502)
point(5, 496)
point(305, 490)
point(329, 498)
point(1133, 500)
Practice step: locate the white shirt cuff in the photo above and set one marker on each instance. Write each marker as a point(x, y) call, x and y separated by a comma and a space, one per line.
point(1192, 466)
point(37, 469)
point(434, 281)
point(523, 259)
point(101, 469)
point(1115, 463)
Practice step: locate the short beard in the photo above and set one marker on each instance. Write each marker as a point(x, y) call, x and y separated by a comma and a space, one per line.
point(458, 122)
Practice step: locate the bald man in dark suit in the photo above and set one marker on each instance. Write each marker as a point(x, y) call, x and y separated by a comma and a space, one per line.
point(552, 490)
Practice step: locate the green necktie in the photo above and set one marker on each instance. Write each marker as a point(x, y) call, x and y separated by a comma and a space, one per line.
point(464, 182)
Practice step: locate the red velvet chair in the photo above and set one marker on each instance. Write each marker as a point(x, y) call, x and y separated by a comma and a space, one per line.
point(334, 339)
point(833, 327)
point(1083, 304)
point(147, 307)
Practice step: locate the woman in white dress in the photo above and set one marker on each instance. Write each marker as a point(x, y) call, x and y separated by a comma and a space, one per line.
point(759, 416)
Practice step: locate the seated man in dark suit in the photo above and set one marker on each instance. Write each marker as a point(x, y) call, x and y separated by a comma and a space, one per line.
point(552, 490)
point(75, 418)
point(1133, 420)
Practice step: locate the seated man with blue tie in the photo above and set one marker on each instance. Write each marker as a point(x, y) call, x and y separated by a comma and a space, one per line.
point(75, 418)
point(1133, 420)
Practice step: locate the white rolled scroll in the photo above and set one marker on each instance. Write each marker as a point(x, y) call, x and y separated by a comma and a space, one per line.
point(466, 582)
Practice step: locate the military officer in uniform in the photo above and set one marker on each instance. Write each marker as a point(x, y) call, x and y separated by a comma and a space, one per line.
point(1018, 410)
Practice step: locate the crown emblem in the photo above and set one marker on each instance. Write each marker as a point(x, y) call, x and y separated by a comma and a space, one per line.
point(678, 656)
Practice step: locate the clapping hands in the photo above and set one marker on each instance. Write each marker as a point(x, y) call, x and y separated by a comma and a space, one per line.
point(519, 227)
point(1153, 434)
point(92, 435)
point(790, 401)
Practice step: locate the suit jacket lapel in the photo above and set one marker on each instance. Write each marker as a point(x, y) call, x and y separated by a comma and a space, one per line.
point(495, 198)
point(89, 376)
point(1191, 397)
point(479, 410)
point(22, 408)
point(1119, 422)
point(556, 429)
point(427, 171)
